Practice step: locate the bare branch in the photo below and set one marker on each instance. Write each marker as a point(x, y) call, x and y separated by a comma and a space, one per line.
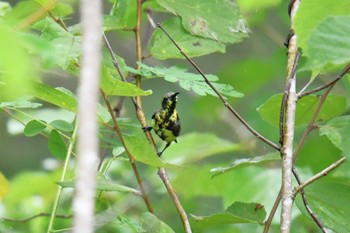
point(331, 83)
point(35, 216)
point(319, 175)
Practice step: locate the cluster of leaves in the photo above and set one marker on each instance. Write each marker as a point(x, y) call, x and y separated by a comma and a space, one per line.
point(223, 191)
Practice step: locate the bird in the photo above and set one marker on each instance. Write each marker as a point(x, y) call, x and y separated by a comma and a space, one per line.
point(166, 122)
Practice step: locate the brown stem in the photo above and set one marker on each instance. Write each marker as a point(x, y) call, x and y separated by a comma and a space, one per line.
point(131, 159)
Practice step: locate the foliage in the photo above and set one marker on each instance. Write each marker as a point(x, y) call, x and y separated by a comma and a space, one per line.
point(226, 179)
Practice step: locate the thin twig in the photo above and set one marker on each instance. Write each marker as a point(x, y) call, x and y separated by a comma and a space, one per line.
point(336, 79)
point(221, 97)
point(131, 159)
point(63, 177)
point(162, 174)
point(322, 173)
point(306, 203)
point(36, 216)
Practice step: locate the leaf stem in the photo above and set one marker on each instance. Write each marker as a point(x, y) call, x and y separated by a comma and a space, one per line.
point(63, 177)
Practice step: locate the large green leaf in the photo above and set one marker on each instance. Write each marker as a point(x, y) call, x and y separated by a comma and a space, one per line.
point(219, 20)
point(333, 106)
point(327, 200)
point(329, 43)
point(16, 64)
point(311, 13)
point(188, 81)
point(337, 130)
point(238, 212)
point(194, 46)
point(54, 96)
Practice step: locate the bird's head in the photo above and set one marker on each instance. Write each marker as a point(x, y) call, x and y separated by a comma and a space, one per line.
point(170, 99)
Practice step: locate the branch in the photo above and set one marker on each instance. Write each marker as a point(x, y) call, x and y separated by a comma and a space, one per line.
point(221, 97)
point(35, 216)
point(84, 198)
point(319, 175)
point(331, 83)
point(288, 133)
point(131, 159)
point(306, 203)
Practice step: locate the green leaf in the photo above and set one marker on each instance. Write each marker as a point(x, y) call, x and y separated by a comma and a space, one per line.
point(337, 131)
point(238, 212)
point(194, 46)
point(115, 87)
point(202, 18)
point(150, 223)
point(104, 185)
point(193, 147)
point(62, 125)
point(333, 106)
point(143, 152)
point(34, 127)
point(66, 46)
point(311, 13)
point(329, 43)
point(16, 64)
point(189, 80)
point(54, 96)
point(327, 200)
point(56, 145)
point(124, 14)
point(244, 162)
point(20, 12)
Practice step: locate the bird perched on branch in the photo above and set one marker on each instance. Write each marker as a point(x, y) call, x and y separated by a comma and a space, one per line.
point(166, 122)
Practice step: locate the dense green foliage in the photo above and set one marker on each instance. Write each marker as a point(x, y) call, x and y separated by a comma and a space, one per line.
point(226, 179)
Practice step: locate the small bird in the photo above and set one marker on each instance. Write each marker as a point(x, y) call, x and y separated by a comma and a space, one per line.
point(166, 122)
